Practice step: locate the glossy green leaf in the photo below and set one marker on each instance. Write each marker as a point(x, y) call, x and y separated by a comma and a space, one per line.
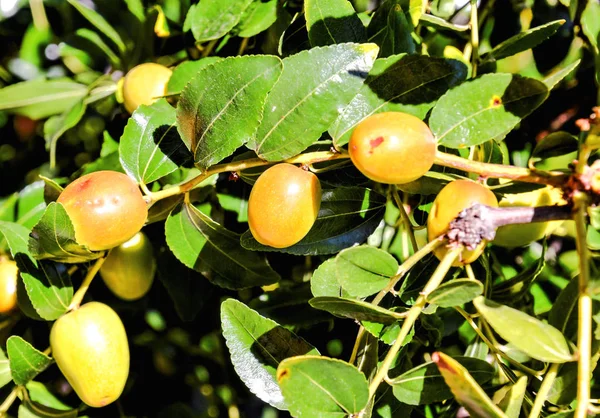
point(391, 28)
point(25, 361)
point(5, 375)
point(441, 24)
point(535, 338)
point(212, 19)
point(465, 388)
point(322, 387)
point(56, 126)
point(425, 384)
point(348, 215)
point(387, 333)
point(53, 237)
point(324, 280)
point(332, 22)
point(512, 401)
point(184, 72)
point(31, 204)
point(150, 147)
point(257, 346)
point(486, 108)
point(355, 309)
point(215, 122)
point(39, 393)
point(591, 24)
point(38, 99)
point(363, 271)
point(554, 145)
point(556, 77)
point(205, 246)
point(304, 102)
point(455, 293)
point(98, 21)
point(522, 41)
point(398, 84)
point(257, 18)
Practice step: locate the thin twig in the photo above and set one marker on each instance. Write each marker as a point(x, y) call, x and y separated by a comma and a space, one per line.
point(542, 394)
point(78, 297)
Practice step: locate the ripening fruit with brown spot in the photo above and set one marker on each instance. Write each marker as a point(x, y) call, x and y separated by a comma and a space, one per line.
point(91, 350)
point(106, 208)
point(129, 269)
point(9, 274)
point(453, 199)
point(283, 205)
point(144, 84)
point(392, 147)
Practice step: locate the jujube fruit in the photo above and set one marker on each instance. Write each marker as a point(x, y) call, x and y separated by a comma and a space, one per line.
point(90, 348)
point(453, 199)
point(144, 84)
point(9, 274)
point(129, 269)
point(106, 208)
point(518, 235)
point(392, 147)
point(283, 205)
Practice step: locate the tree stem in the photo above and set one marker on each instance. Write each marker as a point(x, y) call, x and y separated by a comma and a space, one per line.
point(542, 394)
point(474, 38)
point(91, 273)
point(552, 178)
point(414, 312)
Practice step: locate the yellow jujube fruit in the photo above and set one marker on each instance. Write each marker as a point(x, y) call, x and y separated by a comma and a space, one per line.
point(90, 348)
point(129, 269)
point(511, 236)
point(8, 285)
point(144, 84)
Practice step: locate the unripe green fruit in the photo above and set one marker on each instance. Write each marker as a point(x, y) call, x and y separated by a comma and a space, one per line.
point(283, 205)
point(144, 84)
point(453, 199)
point(90, 347)
point(511, 236)
point(106, 208)
point(392, 147)
point(129, 269)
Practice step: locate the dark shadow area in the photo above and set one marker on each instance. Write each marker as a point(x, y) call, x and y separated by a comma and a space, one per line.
point(522, 96)
point(170, 143)
point(276, 345)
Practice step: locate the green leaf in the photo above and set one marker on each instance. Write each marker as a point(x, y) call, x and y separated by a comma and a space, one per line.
point(97, 41)
point(205, 246)
point(591, 24)
point(5, 376)
point(465, 388)
point(257, 346)
point(324, 280)
point(322, 387)
point(564, 387)
point(39, 393)
point(31, 204)
point(554, 145)
point(304, 102)
point(425, 385)
point(455, 293)
point(53, 237)
point(332, 22)
point(440, 24)
point(512, 400)
point(556, 77)
point(530, 335)
point(391, 28)
point(25, 361)
point(363, 271)
point(486, 108)
point(355, 309)
point(522, 41)
point(398, 84)
point(56, 126)
point(387, 333)
point(213, 123)
point(184, 72)
point(348, 215)
point(38, 99)
point(98, 21)
point(257, 18)
point(564, 313)
point(213, 19)
point(150, 147)
point(234, 204)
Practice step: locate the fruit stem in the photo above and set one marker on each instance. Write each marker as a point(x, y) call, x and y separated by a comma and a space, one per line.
point(303, 159)
point(552, 178)
point(436, 279)
point(584, 329)
point(405, 219)
point(85, 285)
point(542, 394)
